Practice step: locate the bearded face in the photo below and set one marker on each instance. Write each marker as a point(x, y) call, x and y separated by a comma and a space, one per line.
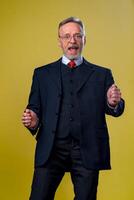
point(71, 40)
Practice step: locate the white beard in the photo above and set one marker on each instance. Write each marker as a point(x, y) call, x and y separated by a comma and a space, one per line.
point(72, 57)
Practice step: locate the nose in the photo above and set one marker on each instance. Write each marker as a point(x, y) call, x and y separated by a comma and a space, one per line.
point(72, 39)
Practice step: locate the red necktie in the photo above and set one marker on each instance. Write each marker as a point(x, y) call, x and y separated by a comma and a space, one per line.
point(72, 64)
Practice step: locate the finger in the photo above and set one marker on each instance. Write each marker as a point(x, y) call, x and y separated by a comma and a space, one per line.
point(115, 96)
point(27, 110)
point(115, 88)
point(26, 115)
point(27, 124)
point(113, 85)
point(26, 119)
point(116, 92)
point(115, 99)
point(112, 88)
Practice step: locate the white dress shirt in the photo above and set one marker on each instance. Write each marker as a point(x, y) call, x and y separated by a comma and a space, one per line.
point(78, 61)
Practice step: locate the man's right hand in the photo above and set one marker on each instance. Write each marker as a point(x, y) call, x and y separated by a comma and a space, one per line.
point(29, 119)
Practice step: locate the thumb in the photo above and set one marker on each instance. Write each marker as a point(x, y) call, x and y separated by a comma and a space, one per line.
point(113, 85)
point(27, 110)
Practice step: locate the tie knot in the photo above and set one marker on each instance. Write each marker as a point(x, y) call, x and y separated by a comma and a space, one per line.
point(72, 64)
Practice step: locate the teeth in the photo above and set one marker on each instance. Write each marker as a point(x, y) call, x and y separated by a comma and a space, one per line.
point(73, 48)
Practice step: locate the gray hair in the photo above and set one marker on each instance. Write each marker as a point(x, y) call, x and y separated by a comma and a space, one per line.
point(72, 19)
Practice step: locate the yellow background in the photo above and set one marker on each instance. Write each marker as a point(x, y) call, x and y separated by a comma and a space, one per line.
point(28, 38)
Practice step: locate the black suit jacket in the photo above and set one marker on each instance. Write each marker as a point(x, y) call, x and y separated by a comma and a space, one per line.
point(45, 99)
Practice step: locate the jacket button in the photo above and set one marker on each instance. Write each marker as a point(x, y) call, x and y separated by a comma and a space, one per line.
point(71, 119)
point(53, 131)
point(71, 105)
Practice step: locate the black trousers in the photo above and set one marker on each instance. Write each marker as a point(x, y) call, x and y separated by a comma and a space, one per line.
point(65, 157)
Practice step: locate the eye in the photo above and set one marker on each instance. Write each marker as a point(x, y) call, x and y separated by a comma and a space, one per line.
point(78, 36)
point(67, 36)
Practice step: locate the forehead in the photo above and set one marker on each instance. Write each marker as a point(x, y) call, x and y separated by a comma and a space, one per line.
point(70, 27)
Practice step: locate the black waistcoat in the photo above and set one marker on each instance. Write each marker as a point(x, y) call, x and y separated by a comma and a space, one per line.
point(69, 119)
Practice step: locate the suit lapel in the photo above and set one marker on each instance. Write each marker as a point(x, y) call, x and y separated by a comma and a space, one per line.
point(85, 72)
point(55, 73)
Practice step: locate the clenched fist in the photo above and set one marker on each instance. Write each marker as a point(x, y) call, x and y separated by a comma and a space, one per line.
point(29, 119)
point(113, 95)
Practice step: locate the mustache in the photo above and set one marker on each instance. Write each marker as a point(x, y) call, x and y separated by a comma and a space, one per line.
point(73, 47)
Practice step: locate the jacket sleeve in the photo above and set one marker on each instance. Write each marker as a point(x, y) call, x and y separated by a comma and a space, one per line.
point(34, 100)
point(119, 109)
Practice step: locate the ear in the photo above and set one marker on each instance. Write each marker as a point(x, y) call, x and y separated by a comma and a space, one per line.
point(85, 40)
point(59, 42)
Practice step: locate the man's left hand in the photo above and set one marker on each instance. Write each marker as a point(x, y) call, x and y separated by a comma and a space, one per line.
point(113, 95)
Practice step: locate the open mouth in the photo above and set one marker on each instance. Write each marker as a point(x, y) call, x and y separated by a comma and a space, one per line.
point(73, 48)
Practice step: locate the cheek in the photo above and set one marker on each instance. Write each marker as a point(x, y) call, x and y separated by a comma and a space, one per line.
point(60, 44)
point(63, 47)
point(81, 46)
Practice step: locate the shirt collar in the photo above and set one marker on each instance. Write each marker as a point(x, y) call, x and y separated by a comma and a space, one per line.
point(78, 61)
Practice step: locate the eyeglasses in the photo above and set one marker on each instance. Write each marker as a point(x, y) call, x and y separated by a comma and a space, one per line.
point(68, 37)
